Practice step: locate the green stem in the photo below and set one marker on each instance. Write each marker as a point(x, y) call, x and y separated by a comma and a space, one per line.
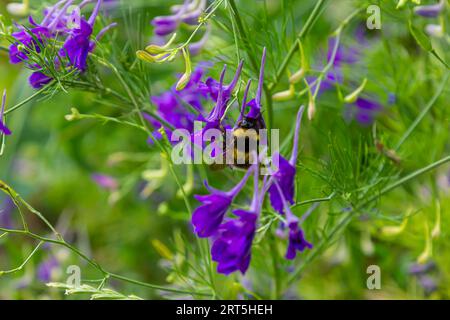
point(423, 113)
point(20, 104)
point(305, 30)
point(345, 221)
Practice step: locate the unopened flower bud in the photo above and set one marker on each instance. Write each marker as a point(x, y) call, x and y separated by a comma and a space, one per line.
point(184, 80)
point(297, 77)
point(434, 30)
point(284, 95)
point(18, 9)
point(352, 97)
point(311, 109)
point(75, 115)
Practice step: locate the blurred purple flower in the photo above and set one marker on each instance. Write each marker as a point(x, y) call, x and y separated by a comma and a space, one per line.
point(46, 268)
point(207, 218)
point(6, 210)
point(428, 284)
point(419, 268)
point(189, 12)
point(105, 181)
point(364, 111)
point(3, 128)
point(171, 106)
point(430, 11)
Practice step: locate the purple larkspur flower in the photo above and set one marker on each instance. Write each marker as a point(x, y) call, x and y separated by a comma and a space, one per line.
point(38, 79)
point(6, 210)
point(232, 248)
point(55, 21)
point(46, 268)
point(214, 87)
point(233, 242)
point(79, 44)
point(3, 128)
point(58, 21)
point(364, 111)
point(188, 12)
point(285, 175)
point(297, 241)
point(171, 106)
point(430, 11)
point(32, 39)
point(255, 105)
point(105, 181)
point(421, 268)
point(207, 218)
point(428, 284)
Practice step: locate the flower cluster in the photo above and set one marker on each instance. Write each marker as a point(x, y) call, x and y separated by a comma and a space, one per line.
point(232, 237)
point(61, 23)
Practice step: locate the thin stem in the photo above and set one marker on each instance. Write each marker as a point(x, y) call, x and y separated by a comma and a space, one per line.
point(306, 202)
point(345, 221)
point(24, 263)
point(20, 104)
point(305, 30)
point(423, 113)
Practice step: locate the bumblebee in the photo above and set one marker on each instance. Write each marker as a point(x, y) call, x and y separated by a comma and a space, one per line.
point(244, 141)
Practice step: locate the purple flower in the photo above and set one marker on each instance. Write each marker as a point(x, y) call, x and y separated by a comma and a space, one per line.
point(32, 39)
point(255, 104)
point(232, 248)
point(188, 12)
point(208, 217)
point(105, 181)
point(430, 11)
point(171, 105)
point(337, 55)
point(55, 21)
point(38, 79)
point(79, 44)
point(285, 175)
point(297, 241)
point(233, 242)
point(418, 268)
point(46, 268)
point(364, 111)
point(343, 55)
point(214, 87)
point(428, 284)
point(5, 213)
point(3, 128)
